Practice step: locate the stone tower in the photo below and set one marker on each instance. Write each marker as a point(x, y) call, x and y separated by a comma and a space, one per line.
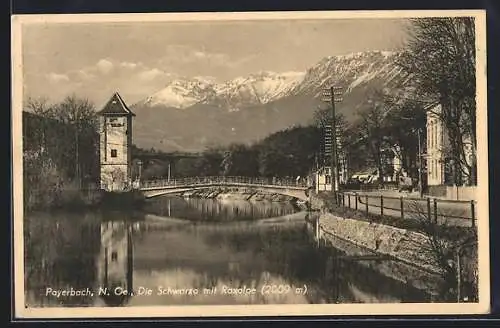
point(115, 121)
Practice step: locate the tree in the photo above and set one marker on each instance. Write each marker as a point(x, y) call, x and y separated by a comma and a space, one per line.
point(373, 132)
point(240, 160)
point(440, 62)
point(154, 169)
point(354, 148)
point(43, 109)
point(187, 167)
point(289, 152)
point(209, 164)
point(403, 121)
point(80, 114)
point(323, 117)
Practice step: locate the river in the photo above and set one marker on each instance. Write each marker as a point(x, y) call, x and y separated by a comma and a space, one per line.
point(191, 252)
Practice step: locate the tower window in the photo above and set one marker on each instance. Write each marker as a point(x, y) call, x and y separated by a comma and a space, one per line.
point(114, 256)
point(114, 152)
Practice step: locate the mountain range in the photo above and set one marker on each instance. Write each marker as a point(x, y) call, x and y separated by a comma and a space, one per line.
point(191, 114)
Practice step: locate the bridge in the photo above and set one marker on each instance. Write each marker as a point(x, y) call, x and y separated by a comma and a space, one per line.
point(287, 187)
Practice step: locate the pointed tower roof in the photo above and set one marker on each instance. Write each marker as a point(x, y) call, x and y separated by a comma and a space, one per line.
point(116, 106)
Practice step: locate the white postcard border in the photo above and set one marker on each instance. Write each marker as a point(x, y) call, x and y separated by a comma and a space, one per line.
point(482, 306)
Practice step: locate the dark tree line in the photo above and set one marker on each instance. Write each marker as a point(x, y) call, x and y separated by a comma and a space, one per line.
point(287, 153)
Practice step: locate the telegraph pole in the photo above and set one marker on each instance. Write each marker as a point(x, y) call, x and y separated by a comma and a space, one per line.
point(335, 166)
point(330, 94)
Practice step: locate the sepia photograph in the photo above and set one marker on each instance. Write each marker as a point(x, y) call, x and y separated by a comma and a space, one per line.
point(243, 164)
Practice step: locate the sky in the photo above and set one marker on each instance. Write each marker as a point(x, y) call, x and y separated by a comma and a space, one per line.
point(93, 60)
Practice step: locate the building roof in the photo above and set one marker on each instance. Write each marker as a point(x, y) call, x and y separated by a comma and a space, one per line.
point(116, 106)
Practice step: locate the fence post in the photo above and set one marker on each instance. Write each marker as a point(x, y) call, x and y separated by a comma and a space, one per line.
point(343, 200)
point(349, 200)
point(402, 207)
point(429, 214)
point(381, 205)
point(459, 277)
point(435, 211)
point(366, 204)
point(473, 215)
point(356, 201)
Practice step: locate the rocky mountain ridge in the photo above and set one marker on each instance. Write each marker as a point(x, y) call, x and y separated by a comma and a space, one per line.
point(191, 114)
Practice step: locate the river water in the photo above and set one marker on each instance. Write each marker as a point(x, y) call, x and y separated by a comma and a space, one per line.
point(189, 252)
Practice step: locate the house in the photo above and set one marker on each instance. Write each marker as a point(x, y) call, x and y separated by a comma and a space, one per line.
point(322, 176)
point(436, 145)
point(439, 165)
point(323, 179)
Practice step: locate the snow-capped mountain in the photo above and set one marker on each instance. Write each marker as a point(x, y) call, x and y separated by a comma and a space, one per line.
point(249, 108)
point(349, 71)
point(258, 88)
point(183, 93)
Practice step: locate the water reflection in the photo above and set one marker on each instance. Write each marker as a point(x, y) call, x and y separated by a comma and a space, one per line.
point(115, 262)
point(172, 261)
point(60, 252)
point(218, 210)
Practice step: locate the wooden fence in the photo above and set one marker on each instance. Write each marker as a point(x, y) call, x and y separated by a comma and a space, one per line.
point(459, 212)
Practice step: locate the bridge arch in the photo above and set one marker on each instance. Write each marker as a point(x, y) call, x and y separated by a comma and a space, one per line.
point(287, 188)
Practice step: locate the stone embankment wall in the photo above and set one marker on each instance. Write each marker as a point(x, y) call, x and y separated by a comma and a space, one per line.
point(410, 247)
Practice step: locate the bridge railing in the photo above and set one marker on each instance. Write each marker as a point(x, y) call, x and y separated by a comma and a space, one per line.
point(190, 181)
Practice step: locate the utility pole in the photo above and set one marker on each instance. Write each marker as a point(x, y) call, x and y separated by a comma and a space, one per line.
point(330, 95)
point(335, 166)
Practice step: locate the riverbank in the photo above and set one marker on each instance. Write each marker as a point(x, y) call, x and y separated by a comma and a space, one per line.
point(69, 197)
point(426, 281)
point(63, 196)
point(424, 256)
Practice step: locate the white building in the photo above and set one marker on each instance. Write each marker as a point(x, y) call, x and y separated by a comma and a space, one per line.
point(115, 129)
point(323, 179)
point(437, 145)
point(323, 175)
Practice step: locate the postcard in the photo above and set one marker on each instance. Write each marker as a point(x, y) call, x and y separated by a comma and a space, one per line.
point(250, 164)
